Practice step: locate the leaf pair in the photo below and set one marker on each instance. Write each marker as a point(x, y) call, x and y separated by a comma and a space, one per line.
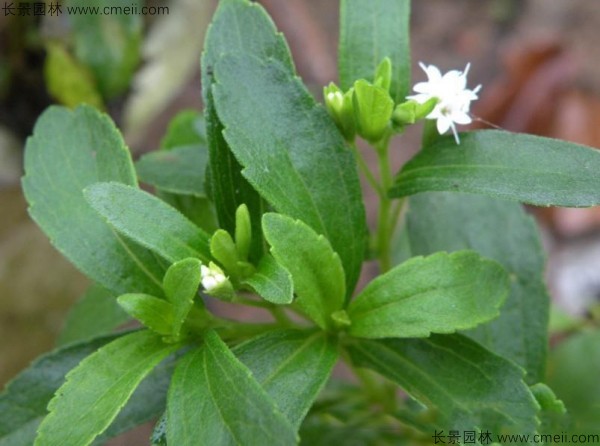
point(166, 317)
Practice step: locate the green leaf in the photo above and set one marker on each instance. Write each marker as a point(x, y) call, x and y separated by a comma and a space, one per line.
point(68, 151)
point(243, 232)
point(97, 389)
point(292, 366)
point(316, 270)
point(67, 80)
point(109, 44)
point(573, 375)
point(178, 171)
point(214, 400)
point(23, 401)
point(527, 168)
point(199, 210)
point(501, 231)
point(553, 414)
point(154, 313)
point(272, 282)
point(149, 221)
point(222, 248)
point(243, 26)
point(441, 293)
point(465, 386)
point(96, 313)
point(292, 152)
point(187, 128)
point(371, 30)
point(181, 284)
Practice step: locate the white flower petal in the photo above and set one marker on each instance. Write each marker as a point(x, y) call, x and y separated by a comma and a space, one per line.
point(454, 98)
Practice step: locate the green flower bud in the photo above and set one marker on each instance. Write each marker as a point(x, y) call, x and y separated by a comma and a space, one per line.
point(339, 105)
point(411, 111)
point(373, 109)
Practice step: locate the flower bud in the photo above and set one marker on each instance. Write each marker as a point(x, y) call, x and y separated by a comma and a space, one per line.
point(339, 105)
point(215, 283)
point(373, 109)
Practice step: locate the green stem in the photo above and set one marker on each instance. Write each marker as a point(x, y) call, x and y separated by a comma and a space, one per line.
point(364, 168)
point(384, 223)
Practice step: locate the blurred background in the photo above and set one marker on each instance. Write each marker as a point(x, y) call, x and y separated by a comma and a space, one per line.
point(537, 60)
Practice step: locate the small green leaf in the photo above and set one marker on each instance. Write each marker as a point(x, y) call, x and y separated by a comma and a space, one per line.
point(291, 152)
point(149, 221)
point(109, 44)
point(292, 366)
point(272, 282)
point(23, 401)
point(154, 313)
point(316, 270)
point(371, 30)
point(68, 151)
point(214, 400)
point(373, 109)
point(222, 248)
point(187, 128)
point(97, 389)
point(441, 293)
point(67, 80)
point(527, 168)
point(95, 313)
point(181, 283)
point(178, 171)
point(502, 231)
point(553, 414)
point(243, 231)
point(465, 387)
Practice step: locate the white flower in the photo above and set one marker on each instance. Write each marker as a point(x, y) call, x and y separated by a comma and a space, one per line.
point(454, 98)
point(211, 277)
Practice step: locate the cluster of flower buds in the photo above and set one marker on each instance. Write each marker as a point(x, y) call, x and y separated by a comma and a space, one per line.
point(368, 110)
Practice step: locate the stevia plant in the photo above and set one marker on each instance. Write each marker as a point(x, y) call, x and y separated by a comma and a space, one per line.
point(258, 204)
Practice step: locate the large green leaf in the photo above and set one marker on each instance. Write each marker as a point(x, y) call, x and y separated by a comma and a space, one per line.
point(527, 168)
point(68, 151)
point(96, 313)
point(213, 399)
point(465, 387)
point(502, 231)
point(149, 221)
point(97, 389)
point(316, 270)
point(573, 375)
point(441, 293)
point(292, 153)
point(292, 366)
point(369, 31)
point(238, 25)
point(108, 43)
point(23, 401)
point(180, 170)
